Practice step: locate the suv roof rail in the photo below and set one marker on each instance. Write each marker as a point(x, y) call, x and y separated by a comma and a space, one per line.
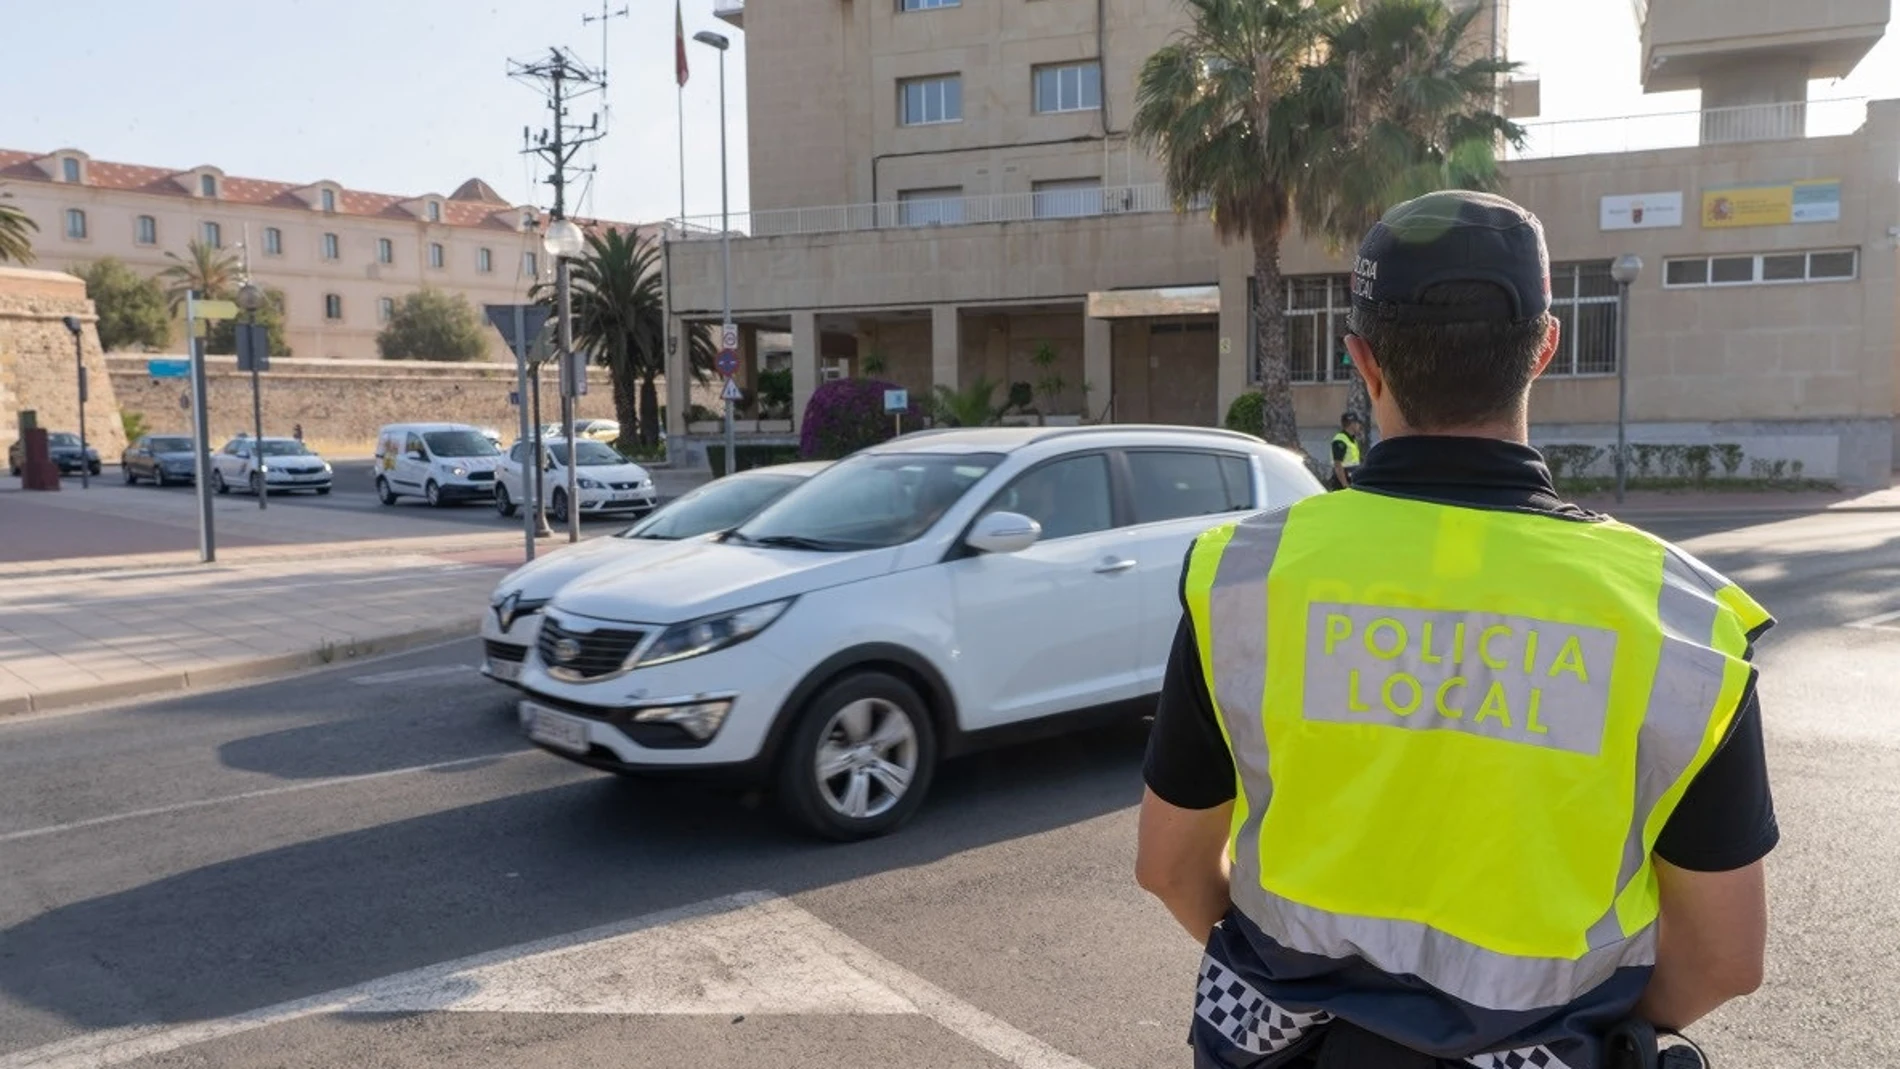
point(1100, 428)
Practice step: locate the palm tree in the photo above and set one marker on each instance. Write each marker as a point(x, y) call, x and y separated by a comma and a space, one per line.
point(1321, 112)
point(15, 226)
point(973, 406)
point(206, 270)
point(1400, 107)
point(619, 319)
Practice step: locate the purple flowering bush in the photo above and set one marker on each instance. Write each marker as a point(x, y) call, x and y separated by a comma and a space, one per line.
point(847, 415)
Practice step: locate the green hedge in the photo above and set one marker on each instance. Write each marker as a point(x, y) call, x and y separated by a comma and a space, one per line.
point(748, 457)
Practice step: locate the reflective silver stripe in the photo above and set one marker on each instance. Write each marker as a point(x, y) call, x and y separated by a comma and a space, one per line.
point(1682, 701)
point(1245, 1017)
point(1237, 612)
point(1485, 978)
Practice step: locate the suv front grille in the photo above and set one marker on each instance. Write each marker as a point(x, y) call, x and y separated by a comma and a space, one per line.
point(504, 651)
point(625, 486)
point(481, 476)
point(588, 654)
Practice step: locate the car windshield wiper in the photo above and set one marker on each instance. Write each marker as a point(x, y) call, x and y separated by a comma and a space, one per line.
point(821, 545)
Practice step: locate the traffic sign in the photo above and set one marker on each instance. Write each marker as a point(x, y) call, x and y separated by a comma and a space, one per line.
point(168, 369)
point(731, 392)
point(729, 336)
point(727, 363)
point(253, 347)
point(896, 400)
point(209, 310)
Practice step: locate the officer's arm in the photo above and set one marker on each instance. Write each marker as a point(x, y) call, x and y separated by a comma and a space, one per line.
point(1181, 858)
point(1711, 940)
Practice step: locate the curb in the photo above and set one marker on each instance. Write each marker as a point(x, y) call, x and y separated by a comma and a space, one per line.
point(229, 674)
point(1746, 510)
point(246, 555)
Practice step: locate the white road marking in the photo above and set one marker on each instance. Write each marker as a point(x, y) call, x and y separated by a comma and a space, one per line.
point(752, 952)
point(403, 675)
point(268, 792)
point(1876, 623)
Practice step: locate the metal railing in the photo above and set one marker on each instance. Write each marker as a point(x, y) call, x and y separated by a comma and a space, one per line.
point(925, 212)
point(1790, 121)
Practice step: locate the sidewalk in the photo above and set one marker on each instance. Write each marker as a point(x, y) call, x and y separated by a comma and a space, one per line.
point(1684, 502)
point(70, 639)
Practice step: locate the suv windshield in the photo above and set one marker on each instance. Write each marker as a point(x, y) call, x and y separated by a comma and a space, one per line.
point(70, 441)
point(593, 454)
point(870, 501)
point(459, 444)
point(284, 447)
point(171, 445)
point(717, 506)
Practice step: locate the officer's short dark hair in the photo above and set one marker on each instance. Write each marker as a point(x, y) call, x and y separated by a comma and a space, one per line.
point(1348, 419)
point(1455, 374)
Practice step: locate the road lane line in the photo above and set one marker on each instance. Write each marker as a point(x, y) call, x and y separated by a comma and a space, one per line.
point(545, 975)
point(268, 792)
point(403, 675)
point(1876, 623)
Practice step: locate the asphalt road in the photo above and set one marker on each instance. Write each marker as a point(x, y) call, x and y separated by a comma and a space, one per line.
point(278, 876)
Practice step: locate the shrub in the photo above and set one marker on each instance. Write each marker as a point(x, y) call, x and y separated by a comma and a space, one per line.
point(1248, 415)
point(133, 423)
point(846, 415)
point(747, 457)
point(775, 394)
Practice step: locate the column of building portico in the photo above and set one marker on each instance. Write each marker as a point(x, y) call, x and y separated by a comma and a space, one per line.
point(748, 375)
point(946, 346)
point(1236, 340)
point(678, 379)
point(1098, 369)
point(805, 360)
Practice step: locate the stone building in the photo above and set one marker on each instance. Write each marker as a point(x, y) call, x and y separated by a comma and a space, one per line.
point(37, 362)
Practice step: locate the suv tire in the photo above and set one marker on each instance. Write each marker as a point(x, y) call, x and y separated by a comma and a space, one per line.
point(383, 492)
point(874, 731)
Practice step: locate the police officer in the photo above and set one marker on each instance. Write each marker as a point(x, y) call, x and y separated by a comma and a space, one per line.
point(1447, 771)
point(1346, 451)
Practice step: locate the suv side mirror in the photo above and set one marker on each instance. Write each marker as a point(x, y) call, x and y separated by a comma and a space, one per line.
point(1004, 532)
point(415, 454)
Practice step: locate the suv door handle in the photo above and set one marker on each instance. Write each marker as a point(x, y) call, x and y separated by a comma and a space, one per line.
point(1110, 566)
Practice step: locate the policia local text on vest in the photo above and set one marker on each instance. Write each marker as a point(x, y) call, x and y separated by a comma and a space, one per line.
point(1458, 721)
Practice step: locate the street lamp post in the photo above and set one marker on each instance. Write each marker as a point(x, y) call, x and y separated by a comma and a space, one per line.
point(79, 364)
point(564, 241)
point(721, 43)
point(250, 298)
point(1626, 270)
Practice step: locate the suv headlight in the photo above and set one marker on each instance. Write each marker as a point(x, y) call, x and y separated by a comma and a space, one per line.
point(588, 484)
point(457, 470)
point(709, 633)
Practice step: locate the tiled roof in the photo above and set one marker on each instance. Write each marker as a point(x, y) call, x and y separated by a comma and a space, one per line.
point(474, 204)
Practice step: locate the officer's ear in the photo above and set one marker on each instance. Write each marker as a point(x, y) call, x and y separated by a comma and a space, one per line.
point(1368, 365)
point(1553, 336)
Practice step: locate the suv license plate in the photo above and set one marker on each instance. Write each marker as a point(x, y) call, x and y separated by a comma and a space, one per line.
point(506, 671)
point(555, 729)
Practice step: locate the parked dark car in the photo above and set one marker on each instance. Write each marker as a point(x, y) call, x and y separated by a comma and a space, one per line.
point(66, 452)
point(162, 458)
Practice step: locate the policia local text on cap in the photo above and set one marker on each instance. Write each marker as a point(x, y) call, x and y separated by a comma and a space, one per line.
point(1478, 778)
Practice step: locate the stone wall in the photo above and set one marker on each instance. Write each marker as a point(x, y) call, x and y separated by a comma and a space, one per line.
point(342, 403)
point(36, 359)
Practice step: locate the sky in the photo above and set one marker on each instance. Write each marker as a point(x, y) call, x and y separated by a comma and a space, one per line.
point(413, 96)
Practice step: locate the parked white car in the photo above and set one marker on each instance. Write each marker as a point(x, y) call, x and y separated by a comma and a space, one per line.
point(442, 463)
point(514, 610)
point(287, 464)
point(608, 483)
point(916, 600)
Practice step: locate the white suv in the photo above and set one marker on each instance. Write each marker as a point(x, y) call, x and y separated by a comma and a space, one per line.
point(914, 601)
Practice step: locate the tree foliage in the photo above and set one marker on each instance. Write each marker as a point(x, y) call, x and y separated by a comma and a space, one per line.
point(1316, 112)
point(221, 336)
point(432, 325)
point(206, 270)
point(132, 308)
point(16, 232)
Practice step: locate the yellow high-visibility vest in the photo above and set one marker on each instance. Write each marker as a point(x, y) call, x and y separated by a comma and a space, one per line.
point(1352, 449)
point(1456, 747)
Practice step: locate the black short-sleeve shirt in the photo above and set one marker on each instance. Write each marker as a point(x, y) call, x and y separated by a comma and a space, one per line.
point(1726, 819)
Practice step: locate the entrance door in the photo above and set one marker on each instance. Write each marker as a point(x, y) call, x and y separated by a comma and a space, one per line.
point(1184, 369)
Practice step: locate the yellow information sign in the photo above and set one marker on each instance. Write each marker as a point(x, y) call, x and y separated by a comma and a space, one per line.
point(1776, 204)
point(215, 310)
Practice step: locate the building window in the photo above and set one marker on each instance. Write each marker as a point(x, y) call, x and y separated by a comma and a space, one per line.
point(530, 265)
point(926, 5)
point(436, 256)
point(930, 207)
point(922, 101)
point(328, 199)
point(386, 309)
point(145, 230)
point(69, 169)
point(75, 224)
point(1069, 87)
point(273, 241)
point(332, 306)
point(435, 211)
point(385, 251)
point(213, 235)
point(1583, 298)
point(484, 261)
point(208, 184)
point(330, 250)
point(1068, 198)
point(1314, 309)
point(1830, 265)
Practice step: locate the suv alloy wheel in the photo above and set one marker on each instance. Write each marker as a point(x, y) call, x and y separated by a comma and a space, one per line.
point(861, 758)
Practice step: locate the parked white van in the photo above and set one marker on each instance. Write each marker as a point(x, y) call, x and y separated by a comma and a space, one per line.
point(442, 463)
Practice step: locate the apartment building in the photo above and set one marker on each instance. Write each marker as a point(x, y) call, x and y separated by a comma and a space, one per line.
point(343, 257)
point(947, 187)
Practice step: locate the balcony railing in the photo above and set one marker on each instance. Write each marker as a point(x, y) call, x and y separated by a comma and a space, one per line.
point(1685, 129)
point(925, 212)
